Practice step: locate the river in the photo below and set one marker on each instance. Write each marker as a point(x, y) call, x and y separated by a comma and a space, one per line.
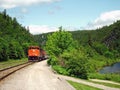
point(115, 68)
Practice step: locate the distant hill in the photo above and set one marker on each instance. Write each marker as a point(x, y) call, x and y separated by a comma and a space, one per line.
point(41, 38)
point(107, 36)
point(14, 38)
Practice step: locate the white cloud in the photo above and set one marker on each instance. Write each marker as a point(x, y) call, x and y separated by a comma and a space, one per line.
point(38, 29)
point(104, 19)
point(17, 3)
point(24, 10)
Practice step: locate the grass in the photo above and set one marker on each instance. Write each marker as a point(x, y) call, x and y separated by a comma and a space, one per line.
point(107, 84)
point(79, 86)
point(9, 63)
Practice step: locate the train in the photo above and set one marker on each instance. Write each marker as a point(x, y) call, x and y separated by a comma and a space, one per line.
point(35, 53)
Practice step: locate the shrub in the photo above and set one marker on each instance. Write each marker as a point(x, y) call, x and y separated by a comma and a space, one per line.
point(60, 70)
point(108, 54)
point(76, 63)
point(53, 60)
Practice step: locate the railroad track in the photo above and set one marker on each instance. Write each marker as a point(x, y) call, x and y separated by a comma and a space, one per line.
point(8, 71)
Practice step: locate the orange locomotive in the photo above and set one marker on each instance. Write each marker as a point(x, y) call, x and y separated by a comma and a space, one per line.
point(36, 54)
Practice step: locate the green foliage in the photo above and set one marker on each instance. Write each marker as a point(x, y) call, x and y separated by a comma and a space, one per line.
point(60, 70)
point(79, 86)
point(58, 42)
point(100, 48)
point(3, 50)
point(77, 63)
point(112, 77)
point(15, 51)
point(12, 38)
point(53, 60)
point(108, 54)
point(104, 40)
point(61, 48)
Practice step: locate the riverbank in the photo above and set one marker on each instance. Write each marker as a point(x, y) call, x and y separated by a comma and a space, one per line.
point(106, 75)
point(111, 77)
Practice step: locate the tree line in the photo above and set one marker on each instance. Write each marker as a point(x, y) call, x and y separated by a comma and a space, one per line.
point(14, 38)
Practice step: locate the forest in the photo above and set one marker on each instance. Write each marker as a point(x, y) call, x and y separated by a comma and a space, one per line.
point(14, 38)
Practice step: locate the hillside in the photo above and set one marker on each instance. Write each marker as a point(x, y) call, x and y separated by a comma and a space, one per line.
point(41, 39)
point(14, 38)
point(107, 36)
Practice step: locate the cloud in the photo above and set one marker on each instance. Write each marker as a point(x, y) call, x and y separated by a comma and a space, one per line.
point(104, 19)
point(38, 29)
point(6, 4)
point(24, 10)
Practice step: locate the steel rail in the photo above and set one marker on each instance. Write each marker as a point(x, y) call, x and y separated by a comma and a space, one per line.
point(8, 71)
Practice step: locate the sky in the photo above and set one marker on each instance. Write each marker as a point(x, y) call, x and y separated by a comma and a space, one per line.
point(44, 16)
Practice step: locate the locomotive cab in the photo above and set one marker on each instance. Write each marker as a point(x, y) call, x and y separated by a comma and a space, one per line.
point(33, 53)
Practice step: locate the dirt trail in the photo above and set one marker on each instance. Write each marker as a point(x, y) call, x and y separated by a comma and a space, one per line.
point(105, 81)
point(88, 83)
point(35, 77)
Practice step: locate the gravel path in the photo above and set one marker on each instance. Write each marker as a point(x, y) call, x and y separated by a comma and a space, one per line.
point(105, 81)
point(35, 77)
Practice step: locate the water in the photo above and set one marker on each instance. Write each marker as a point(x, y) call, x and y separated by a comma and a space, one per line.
point(115, 68)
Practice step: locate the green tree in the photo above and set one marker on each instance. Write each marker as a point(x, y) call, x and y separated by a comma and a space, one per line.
point(3, 50)
point(4, 14)
point(77, 63)
point(59, 42)
point(15, 50)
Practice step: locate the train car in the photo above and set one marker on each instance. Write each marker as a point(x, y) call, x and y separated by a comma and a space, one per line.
point(42, 55)
point(35, 53)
